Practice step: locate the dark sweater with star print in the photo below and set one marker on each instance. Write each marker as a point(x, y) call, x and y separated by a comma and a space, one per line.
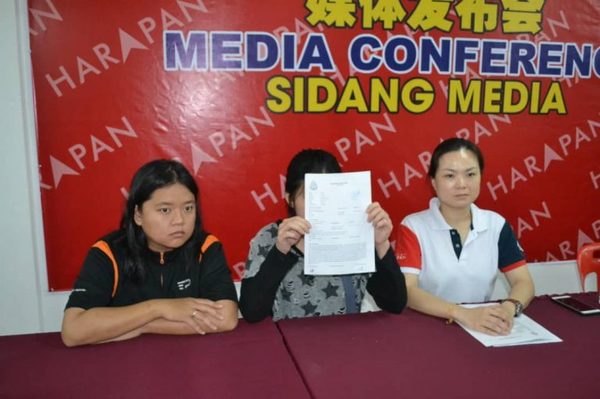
point(274, 284)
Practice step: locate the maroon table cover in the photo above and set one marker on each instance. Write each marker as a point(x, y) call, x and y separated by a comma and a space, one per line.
point(380, 355)
point(249, 362)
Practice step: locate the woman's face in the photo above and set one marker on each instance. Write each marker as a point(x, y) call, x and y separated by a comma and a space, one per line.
point(457, 179)
point(168, 217)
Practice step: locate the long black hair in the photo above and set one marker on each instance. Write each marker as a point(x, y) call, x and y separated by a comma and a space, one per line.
point(149, 178)
point(451, 145)
point(307, 161)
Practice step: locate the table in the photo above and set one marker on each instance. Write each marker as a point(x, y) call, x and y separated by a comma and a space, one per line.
point(251, 361)
point(380, 355)
point(372, 355)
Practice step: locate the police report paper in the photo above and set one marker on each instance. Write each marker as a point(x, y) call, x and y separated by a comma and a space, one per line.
point(525, 331)
point(341, 241)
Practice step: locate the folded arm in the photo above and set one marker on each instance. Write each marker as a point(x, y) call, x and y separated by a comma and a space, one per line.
point(164, 316)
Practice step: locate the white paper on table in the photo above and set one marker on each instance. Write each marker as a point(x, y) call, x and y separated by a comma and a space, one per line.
point(525, 331)
point(341, 241)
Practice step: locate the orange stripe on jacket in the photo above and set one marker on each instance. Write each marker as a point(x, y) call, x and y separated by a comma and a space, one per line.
point(208, 241)
point(103, 246)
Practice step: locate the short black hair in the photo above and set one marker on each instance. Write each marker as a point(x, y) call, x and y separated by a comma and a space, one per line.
point(308, 161)
point(451, 145)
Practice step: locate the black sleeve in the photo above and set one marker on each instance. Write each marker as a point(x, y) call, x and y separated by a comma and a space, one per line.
point(94, 285)
point(510, 253)
point(215, 278)
point(258, 292)
point(387, 285)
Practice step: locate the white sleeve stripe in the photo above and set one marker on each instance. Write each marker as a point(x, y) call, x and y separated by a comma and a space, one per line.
point(410, 270)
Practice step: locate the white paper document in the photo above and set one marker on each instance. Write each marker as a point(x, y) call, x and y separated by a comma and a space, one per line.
point(525, 331)
point(341, 241)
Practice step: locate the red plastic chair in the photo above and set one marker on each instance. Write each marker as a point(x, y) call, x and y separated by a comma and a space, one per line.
point(588, 261)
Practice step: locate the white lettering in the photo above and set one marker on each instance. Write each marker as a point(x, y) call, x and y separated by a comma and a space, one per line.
point(217, 139)
point(102, 51)
point(99, 146)
point(501, 185)
point(64, 77)
point(147, 25)
point(77, 152)
point(595, 178)
point(258, 198)
point(38, 14)
point(393, 182)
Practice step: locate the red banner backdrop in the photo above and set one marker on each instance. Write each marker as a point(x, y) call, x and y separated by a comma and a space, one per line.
point(234, 89)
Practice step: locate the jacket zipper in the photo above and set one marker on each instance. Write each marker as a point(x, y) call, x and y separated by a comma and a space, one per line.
point(162, 262)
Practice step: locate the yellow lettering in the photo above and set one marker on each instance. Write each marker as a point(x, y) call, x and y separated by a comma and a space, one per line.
point(492, 95)
point(515, 91)
point(322, 94)
point(389, 97)
point(554, 100)
point(279, 100)
point(534, 104)
point(461, 102)
point(352, 97)
point(298, 94)
point(417, 95)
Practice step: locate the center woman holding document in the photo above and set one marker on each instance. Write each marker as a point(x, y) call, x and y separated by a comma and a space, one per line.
point(275, 283)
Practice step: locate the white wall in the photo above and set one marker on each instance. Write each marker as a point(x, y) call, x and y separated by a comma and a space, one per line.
point(26, 306)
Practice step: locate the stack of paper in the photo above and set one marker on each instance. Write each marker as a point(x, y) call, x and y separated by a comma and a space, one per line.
point(525, 331)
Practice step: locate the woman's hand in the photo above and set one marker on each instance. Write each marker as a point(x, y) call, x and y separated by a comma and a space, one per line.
point(491, 320)
point(383, 227)
point(203, 315)
point(291, 232)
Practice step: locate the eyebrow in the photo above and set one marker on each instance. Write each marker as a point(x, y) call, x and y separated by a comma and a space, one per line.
point(454, 170)
point(171, 203)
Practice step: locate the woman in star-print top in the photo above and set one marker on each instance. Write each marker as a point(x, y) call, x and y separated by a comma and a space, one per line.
point(274, 282)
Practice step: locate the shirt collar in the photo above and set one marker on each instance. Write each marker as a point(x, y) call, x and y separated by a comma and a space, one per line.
point(437, 222)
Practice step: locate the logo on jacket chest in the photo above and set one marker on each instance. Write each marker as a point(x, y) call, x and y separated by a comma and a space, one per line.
point(183, 284)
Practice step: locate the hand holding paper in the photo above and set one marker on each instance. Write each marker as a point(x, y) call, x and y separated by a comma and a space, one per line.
point(290, 233)
point(383, 227)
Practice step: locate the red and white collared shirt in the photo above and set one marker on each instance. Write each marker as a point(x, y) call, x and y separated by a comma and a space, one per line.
point(428, 246)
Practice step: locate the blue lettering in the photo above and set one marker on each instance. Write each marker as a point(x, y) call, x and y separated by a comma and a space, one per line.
point(226, 51)
point(289, 52)
point(465, 51)
point(180, 54)
point(597, 62)
point(522, 56)
point(390, 53)
point(549, 55)
point(580, 60)
point(262, 52)
point(316, 54)
point(493, 50)
point(434, 55)
point(355, 53)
